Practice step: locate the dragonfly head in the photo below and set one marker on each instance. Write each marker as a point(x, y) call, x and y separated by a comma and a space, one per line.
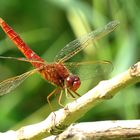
point(73, 82)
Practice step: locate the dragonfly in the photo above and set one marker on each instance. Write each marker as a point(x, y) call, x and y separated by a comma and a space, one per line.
point(57, 73)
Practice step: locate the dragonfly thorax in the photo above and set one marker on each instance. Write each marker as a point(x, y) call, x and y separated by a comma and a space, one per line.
point(55, 73)
point(73, 82)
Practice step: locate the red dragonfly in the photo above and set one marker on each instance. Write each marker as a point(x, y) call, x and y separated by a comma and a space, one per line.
point(57, 73)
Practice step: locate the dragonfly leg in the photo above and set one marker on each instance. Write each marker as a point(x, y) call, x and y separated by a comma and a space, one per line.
point(70, 93)
point(59, 99)
point(66, 93)
point(74, 93)
point(77, 94)
point(48, 98)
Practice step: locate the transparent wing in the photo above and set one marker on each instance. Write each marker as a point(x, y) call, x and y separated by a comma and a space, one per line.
point(11, 83)
point(22, 59)
point(77, 45)
point(97, 70)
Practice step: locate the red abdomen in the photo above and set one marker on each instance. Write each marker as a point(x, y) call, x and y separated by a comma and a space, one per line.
point(20, 44)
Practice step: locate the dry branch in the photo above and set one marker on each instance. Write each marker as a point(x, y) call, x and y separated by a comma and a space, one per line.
point(103, 130)
point(62, 118)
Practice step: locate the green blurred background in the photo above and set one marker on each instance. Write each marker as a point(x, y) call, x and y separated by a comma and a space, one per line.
point(47, 26)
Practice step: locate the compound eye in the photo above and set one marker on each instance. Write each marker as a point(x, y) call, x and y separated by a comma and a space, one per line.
point(73, 82)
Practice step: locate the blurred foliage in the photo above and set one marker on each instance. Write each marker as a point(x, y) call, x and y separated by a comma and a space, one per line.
point(47, 26)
